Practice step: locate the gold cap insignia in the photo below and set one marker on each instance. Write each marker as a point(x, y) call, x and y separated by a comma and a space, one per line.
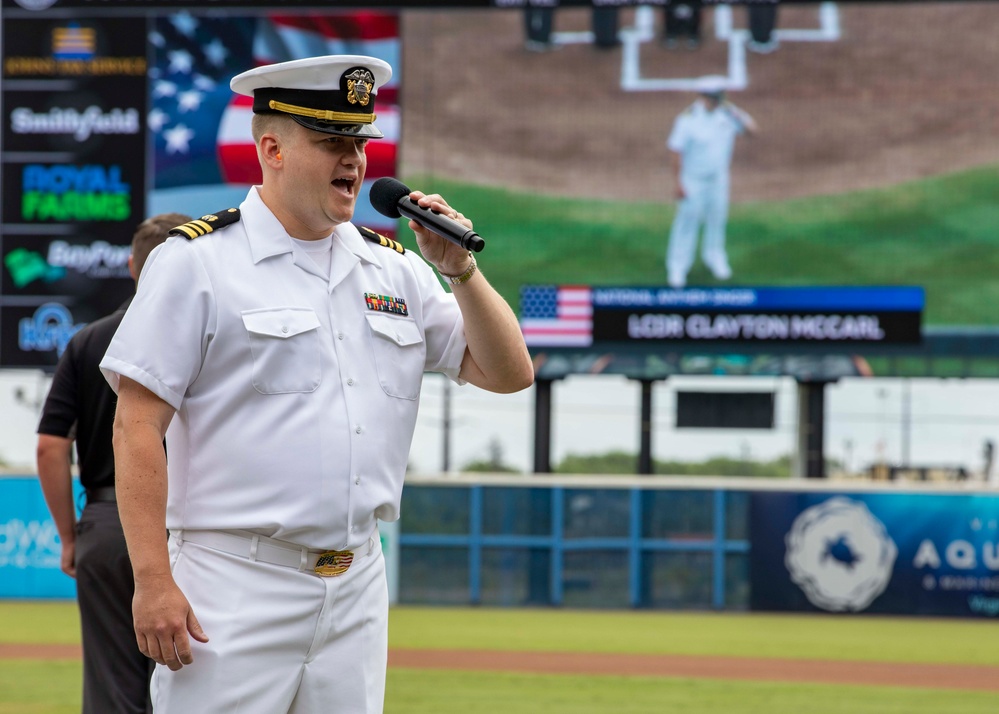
point(360, 82)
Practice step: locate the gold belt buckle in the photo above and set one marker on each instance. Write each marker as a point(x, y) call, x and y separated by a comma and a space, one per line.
point(333, 563)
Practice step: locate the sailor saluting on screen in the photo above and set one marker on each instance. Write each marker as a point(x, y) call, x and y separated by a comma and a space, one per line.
point(701, 143)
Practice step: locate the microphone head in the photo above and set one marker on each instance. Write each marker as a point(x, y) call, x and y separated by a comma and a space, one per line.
point(385, 194)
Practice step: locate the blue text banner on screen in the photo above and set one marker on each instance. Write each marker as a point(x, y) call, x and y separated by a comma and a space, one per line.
point(889, 298)
point(580, 316)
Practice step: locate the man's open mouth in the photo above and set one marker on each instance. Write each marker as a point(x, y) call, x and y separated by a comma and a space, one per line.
point(345, 184)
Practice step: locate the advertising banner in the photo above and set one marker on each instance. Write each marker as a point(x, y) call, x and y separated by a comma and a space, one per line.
point(902, 554)
point(29, 543)
point(74, 147)
point(92, 107)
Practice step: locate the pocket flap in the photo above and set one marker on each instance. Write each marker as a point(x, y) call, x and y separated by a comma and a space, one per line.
point(402, 332)
point(282, 322)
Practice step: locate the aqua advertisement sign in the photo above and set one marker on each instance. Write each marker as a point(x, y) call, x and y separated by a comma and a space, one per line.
point(905, 554)
point(30, 548)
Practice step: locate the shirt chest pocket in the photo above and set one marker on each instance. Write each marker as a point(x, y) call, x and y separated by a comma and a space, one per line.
point(284, 343)
point(400, 354)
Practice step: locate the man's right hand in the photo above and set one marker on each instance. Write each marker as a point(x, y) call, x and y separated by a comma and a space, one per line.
point(163, 618)
point(679, 192)
point(67, 560)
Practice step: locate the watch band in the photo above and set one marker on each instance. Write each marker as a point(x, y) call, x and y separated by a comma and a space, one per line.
point(464, 277)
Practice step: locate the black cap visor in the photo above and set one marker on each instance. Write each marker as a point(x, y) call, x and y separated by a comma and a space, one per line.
point(364, 131)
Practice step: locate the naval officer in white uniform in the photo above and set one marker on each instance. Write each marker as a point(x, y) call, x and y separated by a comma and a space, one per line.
point(280, 350)
point(701, 143)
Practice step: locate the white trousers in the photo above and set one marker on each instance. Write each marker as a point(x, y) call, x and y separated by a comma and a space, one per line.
point(281, 640)
point(706, 204)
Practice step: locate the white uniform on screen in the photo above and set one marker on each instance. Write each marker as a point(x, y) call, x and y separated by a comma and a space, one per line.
point(703, 138)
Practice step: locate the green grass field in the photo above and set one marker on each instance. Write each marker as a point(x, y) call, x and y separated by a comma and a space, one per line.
point(33, 687)
point(940, 233)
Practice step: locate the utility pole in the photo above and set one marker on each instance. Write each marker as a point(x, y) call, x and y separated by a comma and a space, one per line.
point(446, 427)
point(906, 421)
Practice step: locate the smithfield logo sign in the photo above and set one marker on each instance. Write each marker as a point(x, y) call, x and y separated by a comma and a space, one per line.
point(80, 124)
point(840, 555)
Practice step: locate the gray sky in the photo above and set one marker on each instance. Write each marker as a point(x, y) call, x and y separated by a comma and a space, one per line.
point(950, 420)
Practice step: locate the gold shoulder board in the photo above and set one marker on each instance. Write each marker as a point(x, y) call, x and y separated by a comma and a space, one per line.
point(381, 240)
point(206, 224)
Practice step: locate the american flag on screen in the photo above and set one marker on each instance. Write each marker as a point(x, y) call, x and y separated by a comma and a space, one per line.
point(201, 128)
point(556, 315)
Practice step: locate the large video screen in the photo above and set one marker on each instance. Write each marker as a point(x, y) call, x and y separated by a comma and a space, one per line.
point(865, 196)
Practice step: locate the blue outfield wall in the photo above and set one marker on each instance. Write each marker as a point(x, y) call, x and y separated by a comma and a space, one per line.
point(645, 542)
point(701, 543)
point(546, 541)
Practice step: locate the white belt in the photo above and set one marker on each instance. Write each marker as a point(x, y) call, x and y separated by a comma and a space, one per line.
point(251, 546)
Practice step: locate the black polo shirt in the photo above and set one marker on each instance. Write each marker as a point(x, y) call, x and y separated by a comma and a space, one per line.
point(81, 397)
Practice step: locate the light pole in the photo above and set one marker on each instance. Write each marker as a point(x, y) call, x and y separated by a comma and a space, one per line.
point(446, 427)
point(906, 421)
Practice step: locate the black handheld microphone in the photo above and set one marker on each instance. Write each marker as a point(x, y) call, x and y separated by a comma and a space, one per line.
point(391, 198)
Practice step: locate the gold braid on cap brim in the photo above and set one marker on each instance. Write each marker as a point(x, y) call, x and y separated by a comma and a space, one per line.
point(324, 114)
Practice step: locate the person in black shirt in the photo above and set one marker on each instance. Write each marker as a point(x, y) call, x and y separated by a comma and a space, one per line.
point(80, 407)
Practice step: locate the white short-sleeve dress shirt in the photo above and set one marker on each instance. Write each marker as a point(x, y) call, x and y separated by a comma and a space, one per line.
point(296, 394)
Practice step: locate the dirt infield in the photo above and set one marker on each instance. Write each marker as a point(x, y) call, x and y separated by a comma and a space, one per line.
point(908, 91)
point(934, 676)
point(885, 674)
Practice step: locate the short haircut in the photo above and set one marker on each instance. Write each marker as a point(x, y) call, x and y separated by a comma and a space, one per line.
point(262, 124)
point(150, 233)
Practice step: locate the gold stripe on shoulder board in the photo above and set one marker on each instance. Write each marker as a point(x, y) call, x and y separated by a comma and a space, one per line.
point(381, 240)
point(206, 224)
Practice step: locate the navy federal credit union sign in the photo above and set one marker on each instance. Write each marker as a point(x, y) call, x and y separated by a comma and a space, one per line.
point(578, 316)
point(885, 553)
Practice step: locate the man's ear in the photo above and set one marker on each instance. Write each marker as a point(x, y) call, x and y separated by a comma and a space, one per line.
point(131, 268)
point(270, 150)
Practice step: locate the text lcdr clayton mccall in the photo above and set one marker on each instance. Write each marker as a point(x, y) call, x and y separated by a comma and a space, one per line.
point(829, 314)
point(755, 327)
